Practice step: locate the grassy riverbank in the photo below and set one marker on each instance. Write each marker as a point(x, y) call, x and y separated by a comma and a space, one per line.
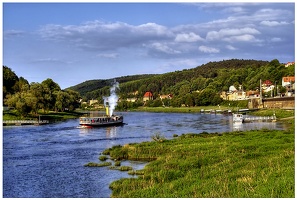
point(51, 115)
point(258, 163)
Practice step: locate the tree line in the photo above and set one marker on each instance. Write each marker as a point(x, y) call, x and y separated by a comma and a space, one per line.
point(31, 98)
point(199, 86)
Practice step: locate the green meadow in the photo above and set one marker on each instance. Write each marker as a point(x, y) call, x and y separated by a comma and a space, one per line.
point(253, 164)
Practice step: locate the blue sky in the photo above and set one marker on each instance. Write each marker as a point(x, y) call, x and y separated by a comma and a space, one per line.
point(74, 42)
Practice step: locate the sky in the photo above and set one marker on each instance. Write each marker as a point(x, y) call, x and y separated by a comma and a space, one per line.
point(75, 42)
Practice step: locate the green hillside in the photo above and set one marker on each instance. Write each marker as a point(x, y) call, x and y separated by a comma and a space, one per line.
point(91, 85)
point(197, 86)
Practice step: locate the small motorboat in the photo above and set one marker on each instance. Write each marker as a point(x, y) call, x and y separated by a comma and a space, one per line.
point(237, 118)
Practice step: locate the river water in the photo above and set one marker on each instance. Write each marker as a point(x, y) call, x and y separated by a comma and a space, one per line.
point(48, 161)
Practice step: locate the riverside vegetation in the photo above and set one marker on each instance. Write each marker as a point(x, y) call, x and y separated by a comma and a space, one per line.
point(256, 163)
point(199, 86)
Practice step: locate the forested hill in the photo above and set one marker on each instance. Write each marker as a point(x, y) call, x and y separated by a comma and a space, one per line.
point(199, 78)
point(200, 86)
point(91, 85)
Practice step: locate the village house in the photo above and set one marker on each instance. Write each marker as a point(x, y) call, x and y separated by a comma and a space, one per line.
point(131, 99)
point(253, 94)
point(289, 83)
point(288, 80)
point(166, 96)
point(93, 101)
point(233, 94)
point(147, 96)
point(267, 86)
point(289, 63)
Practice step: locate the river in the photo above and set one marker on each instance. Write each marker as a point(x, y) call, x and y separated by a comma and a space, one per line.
point(47, 161)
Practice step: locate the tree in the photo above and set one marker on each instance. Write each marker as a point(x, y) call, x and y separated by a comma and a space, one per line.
point(62, 100)
point(189, 100)
point(20, 102)
point(208, 97)
point(36, 90)
point(185, 89)
point(176, 101)
point(9, 81)
point(23, 84)
point(49, 89)
point(73, 99)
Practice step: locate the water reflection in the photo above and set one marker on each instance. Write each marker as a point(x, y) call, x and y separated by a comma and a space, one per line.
point(83, 131)
point(111, 131)
point(237, 126)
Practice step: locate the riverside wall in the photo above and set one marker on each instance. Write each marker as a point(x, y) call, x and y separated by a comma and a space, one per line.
point(278, 102)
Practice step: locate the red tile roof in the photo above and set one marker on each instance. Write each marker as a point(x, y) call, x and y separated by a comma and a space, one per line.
point(148, 94)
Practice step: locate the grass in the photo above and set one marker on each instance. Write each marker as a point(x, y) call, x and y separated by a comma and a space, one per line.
point(253, 164)
point(102, 164)
point(51, 115)
point(10, 115)
point(279, 113)
point(238, 164)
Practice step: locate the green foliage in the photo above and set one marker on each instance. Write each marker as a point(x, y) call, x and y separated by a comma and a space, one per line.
point(88, 88)
point(252, 164)
point(199, 86)
point(136, 172)
point(116, 152)
point(125, 168)
point(103, 164)
point(117, 163)
point(47, 96)
point(10, 79)
point(102, 158)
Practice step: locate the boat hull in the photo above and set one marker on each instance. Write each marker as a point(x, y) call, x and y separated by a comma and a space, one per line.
point(101, 121)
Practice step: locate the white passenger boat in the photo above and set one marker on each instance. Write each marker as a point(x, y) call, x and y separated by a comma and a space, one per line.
point(105, 120)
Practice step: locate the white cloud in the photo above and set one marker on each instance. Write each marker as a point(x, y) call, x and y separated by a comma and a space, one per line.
point(241, 38)
point(151, 28)
point(276, 39)
point(234, 10)
point(108, 55)
point(188, 37)
point(12, 33)
point(50, 60)
point(206, 49)
point(273, 23)
point(98, 35)
point(163, 48)
point(238, 27)
point(271, 14)
point(230, 47)
point(226, 33)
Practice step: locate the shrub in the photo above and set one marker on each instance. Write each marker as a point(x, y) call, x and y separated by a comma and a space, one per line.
point(102, 158)
point(125, 168)
point(117, 163)
point(92, 164)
